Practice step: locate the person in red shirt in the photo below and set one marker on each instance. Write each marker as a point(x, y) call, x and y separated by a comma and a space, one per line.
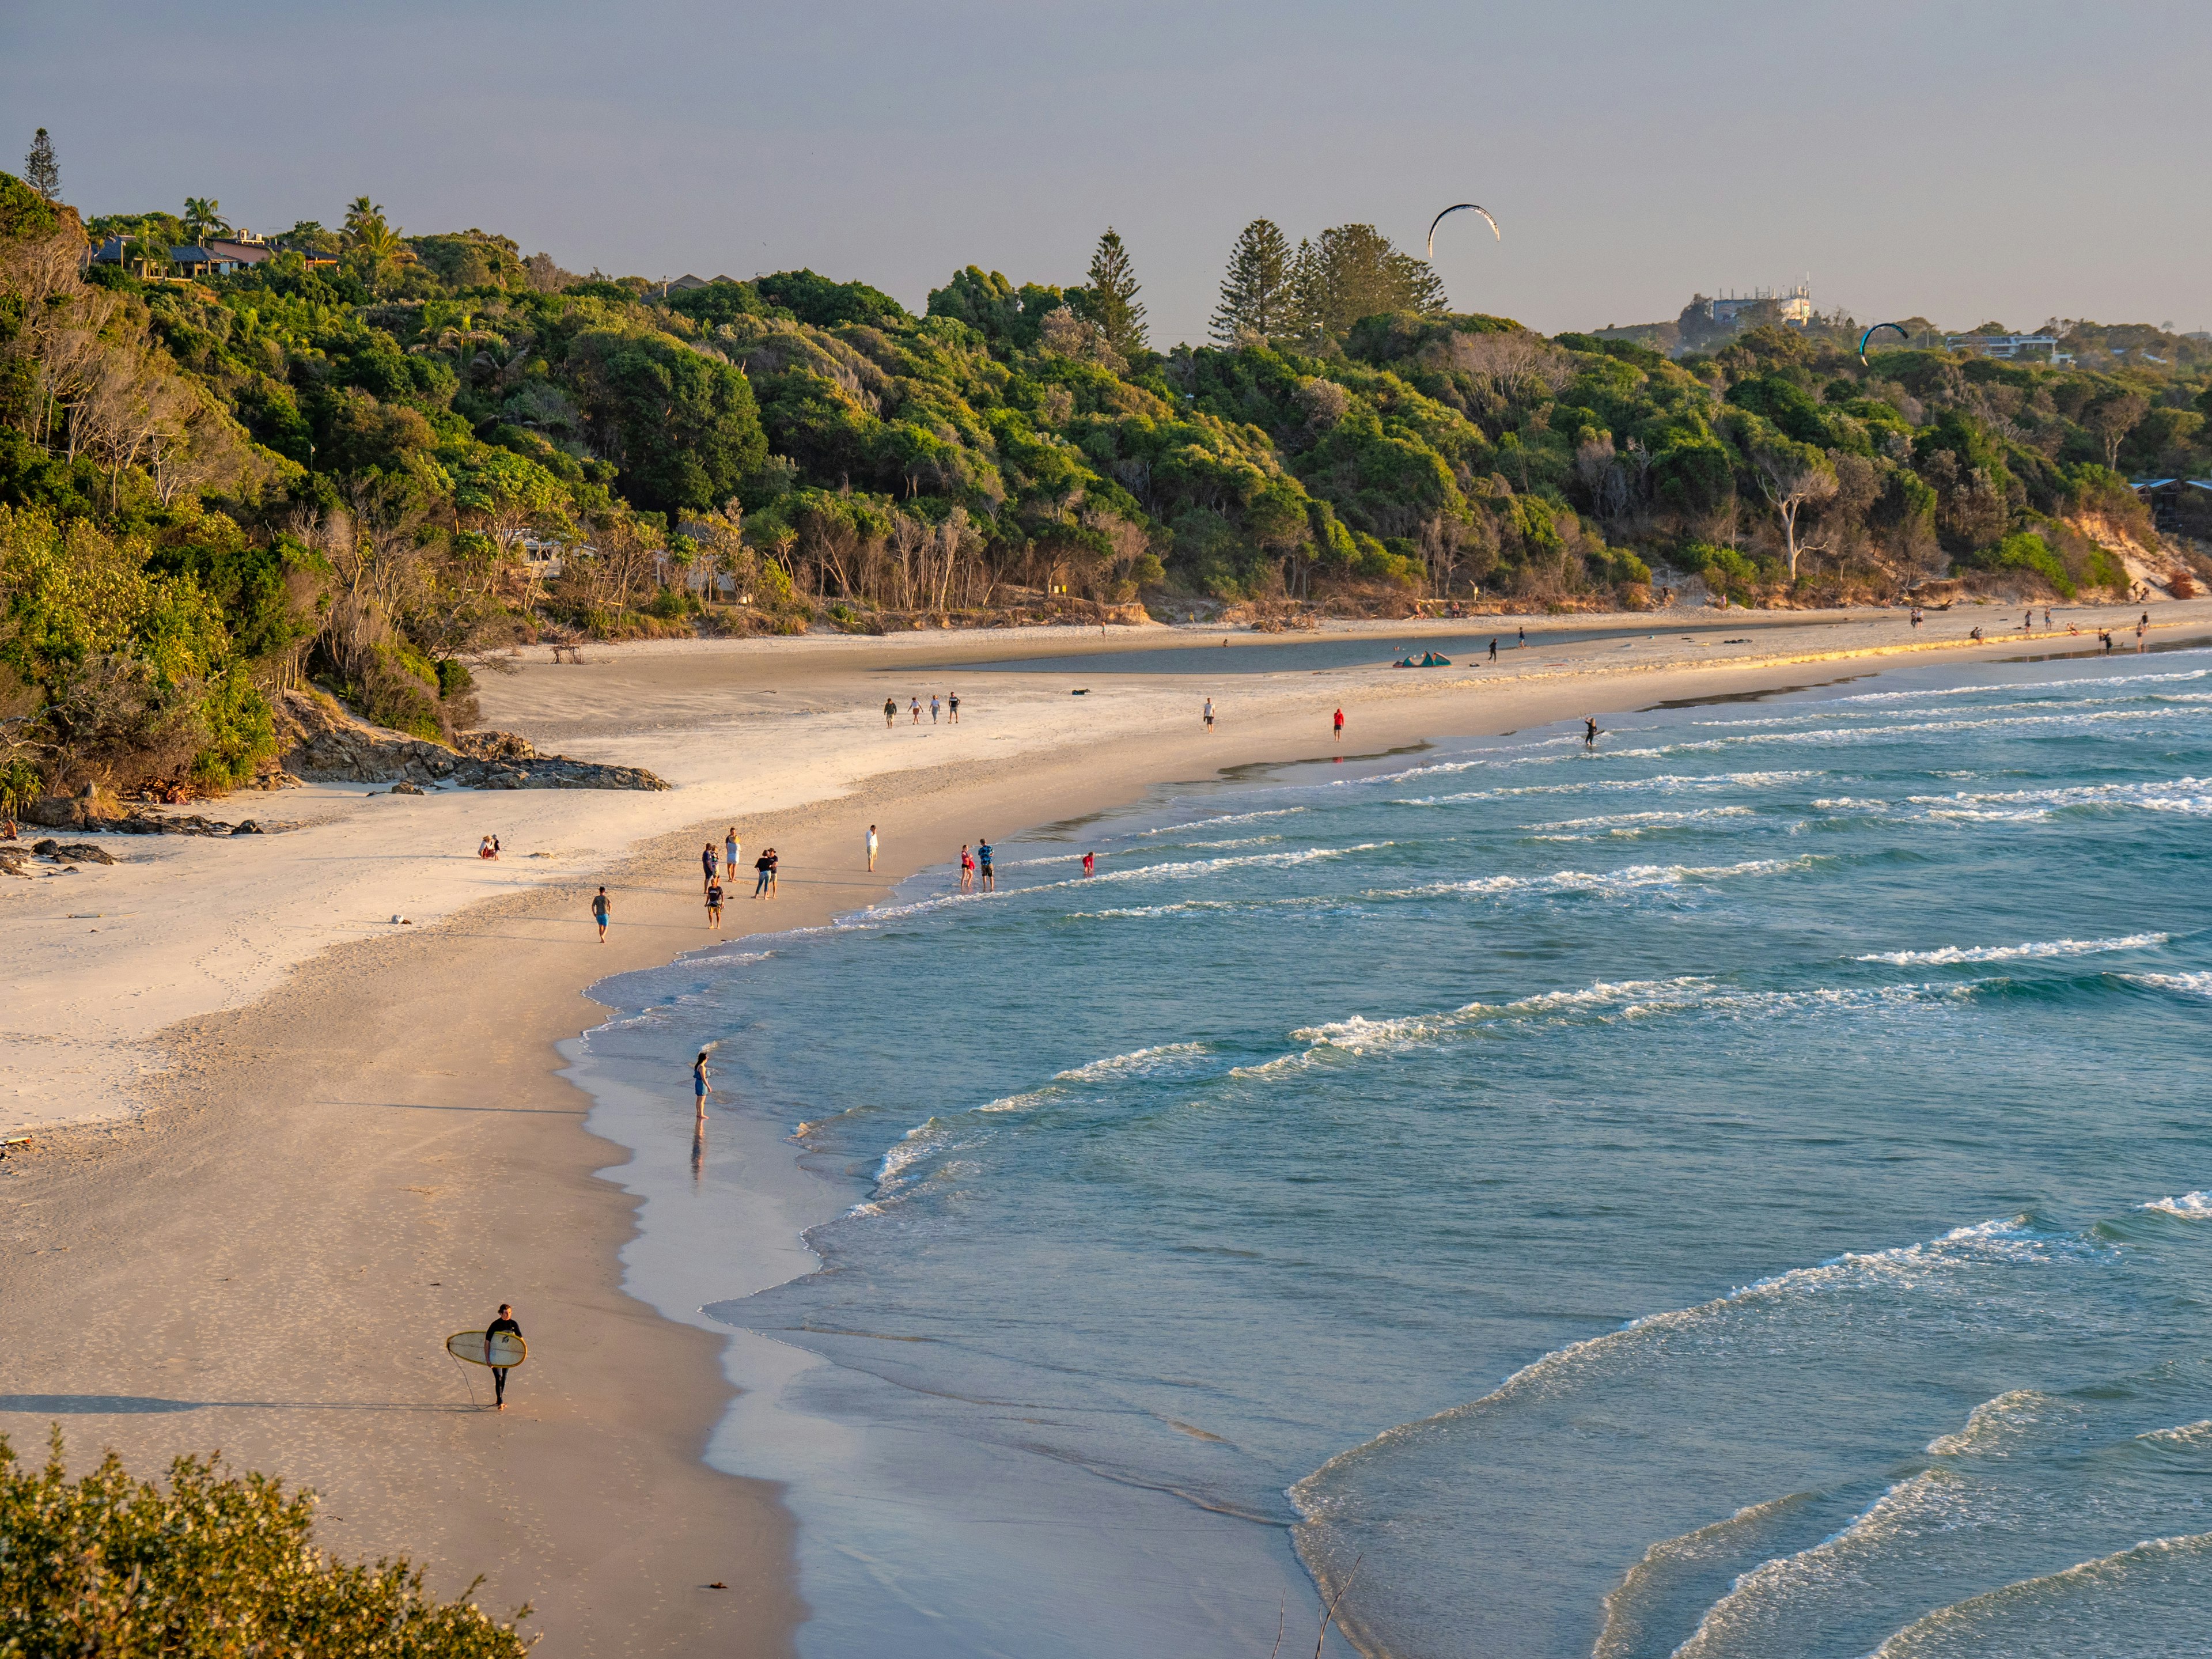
point(1090, 860)
point(1339, 722)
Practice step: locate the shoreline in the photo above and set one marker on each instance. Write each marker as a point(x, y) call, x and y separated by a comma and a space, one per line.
point(349, 1216)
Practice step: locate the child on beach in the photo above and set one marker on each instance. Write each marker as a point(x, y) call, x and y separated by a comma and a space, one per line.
point(967, 869)
point(872, 850)
point(714, 905)
point(600, 909)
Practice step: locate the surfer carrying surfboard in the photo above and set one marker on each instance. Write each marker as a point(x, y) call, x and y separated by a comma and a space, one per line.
point(504, 1322)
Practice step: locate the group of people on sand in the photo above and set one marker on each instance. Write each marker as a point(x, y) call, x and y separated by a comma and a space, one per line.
point(713, 865)
point(488, 848)
point(948, 707)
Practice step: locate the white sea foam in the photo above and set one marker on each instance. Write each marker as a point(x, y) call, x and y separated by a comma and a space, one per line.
point(2191, 797)
point(2085, 719)
point(1665, 783)
point(1945, 954)
point(1631, 822)
point(2191, 1206)
point(2190, 985)
point(1627, 879)
point(1138, 1062)
point(1996, 1425)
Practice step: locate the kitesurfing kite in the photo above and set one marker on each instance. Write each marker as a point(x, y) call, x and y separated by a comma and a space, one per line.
point(1460, 207)
point(1877, 329)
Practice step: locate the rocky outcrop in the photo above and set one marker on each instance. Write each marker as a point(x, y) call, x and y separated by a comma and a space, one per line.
point(320, 741)
point(72, 852)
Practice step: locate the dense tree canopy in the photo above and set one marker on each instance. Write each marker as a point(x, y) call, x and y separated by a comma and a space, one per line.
point(331, 463)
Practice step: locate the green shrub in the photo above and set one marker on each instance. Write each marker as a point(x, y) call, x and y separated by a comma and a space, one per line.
point(454, 678)
point(2024, 550)
point(215, 1565)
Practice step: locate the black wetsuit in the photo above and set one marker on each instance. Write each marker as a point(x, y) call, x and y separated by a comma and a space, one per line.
point(499, 1372)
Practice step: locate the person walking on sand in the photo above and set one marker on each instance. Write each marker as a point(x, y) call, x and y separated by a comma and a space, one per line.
point(1090, 864)
point(600, 909)
point(917, 710)
point(872, 850)
point(506, 1323)
point(714, 905)
point(2140, 627)
point(1523, 634)
point(967, 869)
point(707, 866)
point(700, 1083)
point(1494, 650)
point(1339, 725)
point(1208, 717)
point(890, 713)
point(952, 709)
point(983, 866)
point(763, 868)
point(775, 864)
point(933, 709)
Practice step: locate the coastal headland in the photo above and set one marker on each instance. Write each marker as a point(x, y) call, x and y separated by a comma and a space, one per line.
point(281, 1143)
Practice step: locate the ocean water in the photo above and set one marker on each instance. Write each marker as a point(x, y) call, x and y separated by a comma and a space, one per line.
point(1743, 1191)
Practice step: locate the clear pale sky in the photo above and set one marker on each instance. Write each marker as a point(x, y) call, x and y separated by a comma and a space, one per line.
point(1964, 162)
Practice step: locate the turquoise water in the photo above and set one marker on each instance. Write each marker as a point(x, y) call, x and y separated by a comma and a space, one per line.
point(1739, 1192)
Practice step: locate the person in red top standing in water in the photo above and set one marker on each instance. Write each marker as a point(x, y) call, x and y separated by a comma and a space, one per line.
point(1090, 863)
point(1339, 722)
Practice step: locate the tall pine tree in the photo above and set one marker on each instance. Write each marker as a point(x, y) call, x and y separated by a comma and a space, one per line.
point(1111, 299)
point(40, 171)
point(1256, 297)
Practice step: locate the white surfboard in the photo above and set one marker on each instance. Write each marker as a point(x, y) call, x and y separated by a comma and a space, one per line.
point(507, 1348)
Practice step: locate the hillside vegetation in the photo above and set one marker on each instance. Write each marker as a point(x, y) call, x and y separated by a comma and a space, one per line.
point(348, 463)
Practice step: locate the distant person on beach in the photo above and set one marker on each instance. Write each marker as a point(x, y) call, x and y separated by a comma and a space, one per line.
point(763, 871)
point(775, 864)
point(1494, 650)
point(917, 710)
point(872, 850)
point(732, 847)
point(706, 866)
point(890, 712)
point(504, 1322)
point(483, 848)
point(699, 1082)
point(1090, 864)
point(2104, 639)
point(2046, 615)
point(2139, 627)
point(1209, 717)
point(933, 709)
point(714, 905)
point(983, 866)
point(967, 869)
point(1975, 632)
point(1339, 722)
point(1590, 731)
point(1916, 616)
point(600, 909)
point(952, 709)
point(1523, 634)
point(494, 846)
point(2028, 623)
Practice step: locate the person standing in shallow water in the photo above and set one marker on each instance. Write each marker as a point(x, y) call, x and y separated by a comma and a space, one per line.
point(967, 869)
point(699, 1082)
point(983, 866)
point(504, 1322)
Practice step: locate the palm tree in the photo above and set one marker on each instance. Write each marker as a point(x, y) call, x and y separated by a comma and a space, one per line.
point(367, 232)
point(203, 214)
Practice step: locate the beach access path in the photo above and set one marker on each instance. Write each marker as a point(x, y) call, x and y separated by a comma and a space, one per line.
point(282, 1147)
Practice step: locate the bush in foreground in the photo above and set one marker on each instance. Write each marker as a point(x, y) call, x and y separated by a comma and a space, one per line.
point(216, 1565)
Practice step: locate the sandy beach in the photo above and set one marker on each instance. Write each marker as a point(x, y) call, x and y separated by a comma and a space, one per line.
point(281, 1145)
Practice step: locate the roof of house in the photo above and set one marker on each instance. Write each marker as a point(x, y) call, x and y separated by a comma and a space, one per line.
point(245, 253)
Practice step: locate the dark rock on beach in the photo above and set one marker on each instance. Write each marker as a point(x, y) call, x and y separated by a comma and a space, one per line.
point(323, 743)
point(73, 852)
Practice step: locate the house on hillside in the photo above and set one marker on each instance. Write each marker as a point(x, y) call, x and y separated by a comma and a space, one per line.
point(2005, 345)
point(2179, 507)
point(1793, 306)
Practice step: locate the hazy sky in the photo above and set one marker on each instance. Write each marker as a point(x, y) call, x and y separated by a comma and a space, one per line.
point(1962, 161)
